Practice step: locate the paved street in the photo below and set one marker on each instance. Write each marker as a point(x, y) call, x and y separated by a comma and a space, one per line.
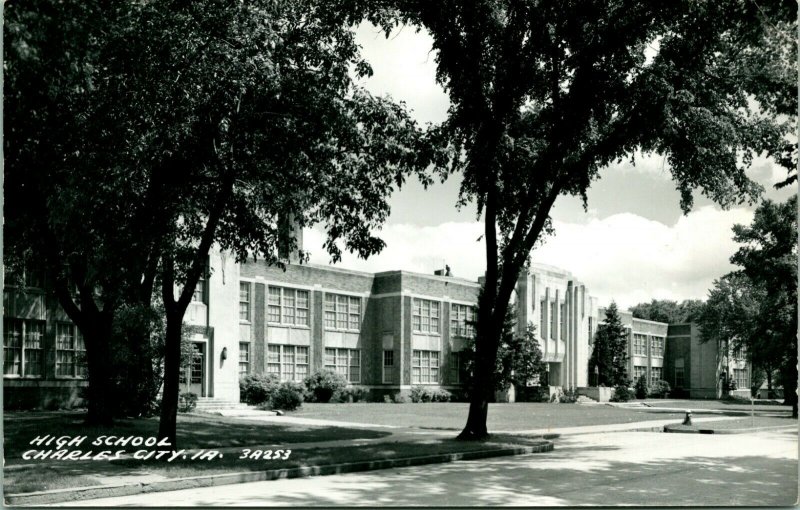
point(634, 468)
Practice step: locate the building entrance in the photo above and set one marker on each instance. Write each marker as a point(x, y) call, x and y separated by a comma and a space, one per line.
point(193, 376)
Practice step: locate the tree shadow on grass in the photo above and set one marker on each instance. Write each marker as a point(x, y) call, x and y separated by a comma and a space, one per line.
point(193, 432)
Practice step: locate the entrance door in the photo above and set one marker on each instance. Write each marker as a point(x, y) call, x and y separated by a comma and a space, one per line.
point(196, 370)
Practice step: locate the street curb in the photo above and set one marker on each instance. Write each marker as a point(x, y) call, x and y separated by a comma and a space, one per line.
point(670, 429)
point(106, 491)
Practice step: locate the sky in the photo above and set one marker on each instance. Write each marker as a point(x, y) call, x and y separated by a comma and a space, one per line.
point(631, 245)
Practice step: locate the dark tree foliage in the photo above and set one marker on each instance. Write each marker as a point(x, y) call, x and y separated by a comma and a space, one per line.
point(519, 358)
point(610, 351)
point(671, 312)
point(755, 307)
point(142, 133)
point(546, 94)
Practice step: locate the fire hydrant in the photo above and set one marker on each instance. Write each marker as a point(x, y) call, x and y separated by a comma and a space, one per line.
point(688, 419)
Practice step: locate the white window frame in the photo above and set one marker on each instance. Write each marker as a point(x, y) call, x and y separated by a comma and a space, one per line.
point(342, 312)
point(24, 334)
point(344, 361)
point(245, 304)
point(657, 346)
point(462, 320)
point(284, 360)
point(388, 368)
point(426, 316)
point(656, 374)
point(423, 369)
point(244, 362)
point(639, 344)
point(79, 368)
point(289, 299)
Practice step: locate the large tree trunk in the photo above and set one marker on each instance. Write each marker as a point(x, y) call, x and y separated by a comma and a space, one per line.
point(167, 427)
point(480, 393)
point(98, 357)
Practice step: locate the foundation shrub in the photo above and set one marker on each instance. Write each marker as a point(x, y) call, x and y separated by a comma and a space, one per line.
point(441, 395)
point(570, 396)
point(187, 402)
point(420, 394)
point(288, 396)
point(323, 385)
point(258, 389)
point(641, 387)
point(622, 393)
point(352, 394)
point(659, 389)
point(398, 398)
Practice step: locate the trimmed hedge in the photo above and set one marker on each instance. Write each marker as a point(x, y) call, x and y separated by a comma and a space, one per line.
point(323, 385)
point(258, 389)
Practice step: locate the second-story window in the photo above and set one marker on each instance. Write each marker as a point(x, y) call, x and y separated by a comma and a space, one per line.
point(425, 316)
point(244, 301)
point(563, 315)
point(639, 345)
point(199, 295)
point(342, 312)
point(462, 320)
point(287, 306)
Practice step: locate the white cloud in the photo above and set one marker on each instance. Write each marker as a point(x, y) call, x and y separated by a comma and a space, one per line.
point(623, 257)
point(404, 67)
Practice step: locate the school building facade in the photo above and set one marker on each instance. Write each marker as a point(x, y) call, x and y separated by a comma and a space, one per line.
point(386, 331)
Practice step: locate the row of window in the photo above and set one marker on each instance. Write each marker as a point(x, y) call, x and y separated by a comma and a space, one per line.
point(656, 373)
point(23, 349)
point(291, 307)
point(640, 345)
point(562, 315)
point(290, 363)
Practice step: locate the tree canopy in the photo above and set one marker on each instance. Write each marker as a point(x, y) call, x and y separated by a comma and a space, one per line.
point(755, 307)
point(146, 132)
point(671, 312)
point(546, 94)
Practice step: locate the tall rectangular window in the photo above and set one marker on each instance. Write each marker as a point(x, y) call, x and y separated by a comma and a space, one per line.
point(12, 346)
point(562, 313)
point(680, 378)
point(458, 369)
point(425, 367)
point(388, 367)
point(542, 321)
point(70, 351)
point(656, 374)
point(740, 376)
point(344, 361)
point(244, 301)
point(23, 347)
point(290, 362)
point(553, 321)
point(462, 320)
point(244, 358)
point(199, 294)
point(639, 371)
point(425, 316)
point(657, 346)
point(342, 312)
point(287, 306)
point(639, 345)
point(591, 332)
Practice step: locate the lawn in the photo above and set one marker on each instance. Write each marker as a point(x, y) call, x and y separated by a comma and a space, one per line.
point(194, 431)
point(229, 436)
point(453, 416)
